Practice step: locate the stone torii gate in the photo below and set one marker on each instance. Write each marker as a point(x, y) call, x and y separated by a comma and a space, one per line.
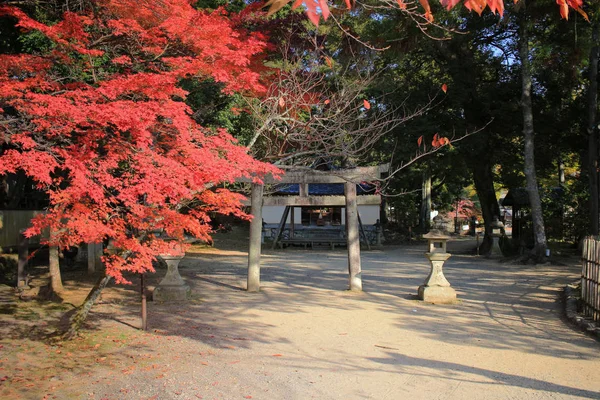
point(349, 177)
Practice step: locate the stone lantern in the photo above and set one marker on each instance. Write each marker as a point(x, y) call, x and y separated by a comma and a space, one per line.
point(436, 288)
point(497, 231)
point(172, 287)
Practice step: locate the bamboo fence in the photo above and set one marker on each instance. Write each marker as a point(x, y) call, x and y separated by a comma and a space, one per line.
point(590, 277)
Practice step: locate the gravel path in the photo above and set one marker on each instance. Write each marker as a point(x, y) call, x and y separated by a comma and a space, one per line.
point(305, 337)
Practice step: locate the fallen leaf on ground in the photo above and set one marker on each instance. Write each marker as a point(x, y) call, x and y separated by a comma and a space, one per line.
point(277, 355)
point(386, 347)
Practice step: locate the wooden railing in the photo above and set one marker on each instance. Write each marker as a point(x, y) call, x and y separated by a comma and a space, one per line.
point(590, 277)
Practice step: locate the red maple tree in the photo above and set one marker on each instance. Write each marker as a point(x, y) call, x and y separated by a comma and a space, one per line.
point(100, 124)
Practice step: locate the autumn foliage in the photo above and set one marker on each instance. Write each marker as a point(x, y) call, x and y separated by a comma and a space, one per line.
point(317, 8)
point(100, 123)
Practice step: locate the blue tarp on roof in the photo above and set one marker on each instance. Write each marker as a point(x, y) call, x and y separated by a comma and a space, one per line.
point(322, 189)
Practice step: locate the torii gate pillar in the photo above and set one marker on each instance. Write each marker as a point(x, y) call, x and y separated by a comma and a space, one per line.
point(255, 238)
point(354, 267)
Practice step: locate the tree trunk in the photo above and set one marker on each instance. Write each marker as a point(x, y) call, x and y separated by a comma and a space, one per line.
point(425, 215)
point(83, 310)
point(483, 178)
point(539, 233)
point(55, 278)
point(592, 131)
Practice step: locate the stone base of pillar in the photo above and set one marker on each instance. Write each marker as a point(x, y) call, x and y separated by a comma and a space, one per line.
point(437, 294)
point(23, 284)
point(168, 293)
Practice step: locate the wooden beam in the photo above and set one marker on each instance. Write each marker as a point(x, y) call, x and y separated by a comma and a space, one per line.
point(329, 201)
point(255, 236)
point(354, 267)
point(356, 175)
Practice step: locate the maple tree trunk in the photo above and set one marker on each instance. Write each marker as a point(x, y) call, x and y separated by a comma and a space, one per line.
point(54, 265)
point(592, 131)
point(83, 310)
point(483, 178)
point(539, 233)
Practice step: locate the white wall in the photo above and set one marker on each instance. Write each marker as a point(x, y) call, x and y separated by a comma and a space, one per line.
point(368, 214)
point(272, 215)
point(12, 222)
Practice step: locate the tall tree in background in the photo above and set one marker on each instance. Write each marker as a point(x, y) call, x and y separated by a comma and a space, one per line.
point(535, 202)
point(592, 125)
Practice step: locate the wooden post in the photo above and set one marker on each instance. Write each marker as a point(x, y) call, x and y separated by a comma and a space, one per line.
point(144, 312)
point(292, 222)
point(98, 254)
point(94, 254)
point(22, 263)
point(303, 189)
point(281, 226)
point(255, 233)
point(362, 232)
point(91, 248)
point(354, 269)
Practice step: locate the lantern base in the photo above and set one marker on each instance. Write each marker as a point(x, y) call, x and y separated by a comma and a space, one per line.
point(437, 294)
point(172, 287)
point(495, 251)
point(171, 293)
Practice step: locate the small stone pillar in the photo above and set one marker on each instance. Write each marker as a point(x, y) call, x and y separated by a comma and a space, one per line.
point(497, 230)
point(473, 226)
point(436, 288)
point(172, 287)
point(22, 280)
point(94, 254)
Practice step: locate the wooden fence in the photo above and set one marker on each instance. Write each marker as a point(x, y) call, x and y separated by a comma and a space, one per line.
point(590, 276)
point(11, 223)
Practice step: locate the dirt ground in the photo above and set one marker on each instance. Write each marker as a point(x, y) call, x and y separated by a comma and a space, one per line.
point(304, 336)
